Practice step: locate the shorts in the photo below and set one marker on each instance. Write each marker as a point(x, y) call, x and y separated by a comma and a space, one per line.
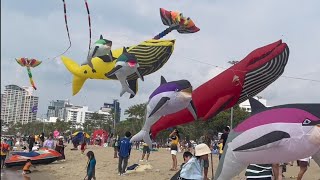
point(146, 149)
point(303, 163)
point(174, 152)
point(206, 163)
point(3, 157)
point(82, 146)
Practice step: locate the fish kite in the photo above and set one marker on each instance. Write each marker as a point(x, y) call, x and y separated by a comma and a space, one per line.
point(277, 134)
point(245, 79)
point(168, 98)
point(151, 55)
point(126, 65)
point(29, 63)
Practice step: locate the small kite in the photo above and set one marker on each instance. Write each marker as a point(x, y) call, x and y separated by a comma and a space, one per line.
point(277, 134)
point(168, 98)
point(151, 55)
point(245, 79)
point(28, 63)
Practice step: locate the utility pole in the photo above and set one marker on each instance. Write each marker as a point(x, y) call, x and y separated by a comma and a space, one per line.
point(231, 118)
point(115, 112)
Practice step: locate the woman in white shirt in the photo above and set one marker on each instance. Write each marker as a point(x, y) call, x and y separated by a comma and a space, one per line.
point(193, 169)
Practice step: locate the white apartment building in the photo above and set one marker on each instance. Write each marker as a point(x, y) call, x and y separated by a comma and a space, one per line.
point(246, 104)
point(17, 104)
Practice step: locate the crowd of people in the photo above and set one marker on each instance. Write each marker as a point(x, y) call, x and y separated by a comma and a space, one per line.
point(195, 155)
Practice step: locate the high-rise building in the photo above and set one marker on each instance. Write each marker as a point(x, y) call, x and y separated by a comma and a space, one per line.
point(18, 105)
point(115, 107)
point(58, 109)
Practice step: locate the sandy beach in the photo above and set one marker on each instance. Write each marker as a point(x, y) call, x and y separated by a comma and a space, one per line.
point(74, 168)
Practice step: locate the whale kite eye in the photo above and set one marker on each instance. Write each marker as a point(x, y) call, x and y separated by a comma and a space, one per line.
point(306, 122)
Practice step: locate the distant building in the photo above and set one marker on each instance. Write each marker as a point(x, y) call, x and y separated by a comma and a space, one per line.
point(58, 109)
point(115, 107)
point(18, 105)
point(246, 104)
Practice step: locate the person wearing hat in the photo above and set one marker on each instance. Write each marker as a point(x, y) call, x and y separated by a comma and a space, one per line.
point(193, 168)
point(60, 147)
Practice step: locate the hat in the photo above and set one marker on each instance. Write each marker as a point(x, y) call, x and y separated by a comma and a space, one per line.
point(202, 149)
point(60, 137)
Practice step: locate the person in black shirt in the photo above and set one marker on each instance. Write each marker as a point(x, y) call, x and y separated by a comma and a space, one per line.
point(224, 136)
point(41, 139)
point(31, 142)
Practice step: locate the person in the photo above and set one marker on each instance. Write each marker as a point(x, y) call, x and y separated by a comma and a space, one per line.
point(60, 147)
point(206, 140)
point(115, 147)
point(186, 157)
point(224, 136)
point(31, 141)
point(41, 139)
point(91, 166)
point(26, 167)
point(137, 143)
point(277, 171)
point(303, 163)
point(83, 143)
point(259, 171)
point(194, 166)
point(4, 152)
point(49, 143)
point(145, 150)
point(174, 136)
point(10, 143)
point(124, 153)
point(220, 145)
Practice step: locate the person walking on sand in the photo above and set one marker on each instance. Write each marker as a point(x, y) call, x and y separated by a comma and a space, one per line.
point(124, 153)
point(60, 147)
point(91, 166)
point(174, 136)
point(303, 163)
point(145, 150)
point(115, 145)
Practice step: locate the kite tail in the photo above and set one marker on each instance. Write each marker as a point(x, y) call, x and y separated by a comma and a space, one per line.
point(30, 78)
point(89, 20)
point(165, 32)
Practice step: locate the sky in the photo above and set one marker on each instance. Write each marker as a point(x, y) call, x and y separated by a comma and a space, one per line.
point(229, 30)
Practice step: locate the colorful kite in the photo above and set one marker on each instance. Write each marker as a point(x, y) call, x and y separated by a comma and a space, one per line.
point(176, 21)
point(243, 80)
point(126, 65)
point(278, 134)
point(151, 55)
point(28, 63)
point(168, 98)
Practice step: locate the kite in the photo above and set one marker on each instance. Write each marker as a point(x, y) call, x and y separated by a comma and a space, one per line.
point(151, 55)
point(271, 135)
point(29, 63)
point(126, 65)
point(245, 79)
point(168, 98)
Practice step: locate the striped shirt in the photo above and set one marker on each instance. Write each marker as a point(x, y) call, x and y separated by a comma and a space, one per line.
point(256, 171)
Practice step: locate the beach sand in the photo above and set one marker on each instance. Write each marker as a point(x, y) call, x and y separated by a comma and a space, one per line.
point(74, 168)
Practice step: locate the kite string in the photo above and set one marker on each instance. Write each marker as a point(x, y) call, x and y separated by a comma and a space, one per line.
point(89, 21)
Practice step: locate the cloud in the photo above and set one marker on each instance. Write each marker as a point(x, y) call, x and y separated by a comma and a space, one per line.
point(229, 31)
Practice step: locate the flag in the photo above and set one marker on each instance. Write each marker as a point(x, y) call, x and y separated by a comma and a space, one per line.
point(34, 109)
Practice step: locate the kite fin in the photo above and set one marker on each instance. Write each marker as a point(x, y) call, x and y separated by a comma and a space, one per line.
point(77, 84)
point(316, 158)
point(163, 101)
point(218, 106)
point(126, 88)
point(142, 135)
point(133, 84)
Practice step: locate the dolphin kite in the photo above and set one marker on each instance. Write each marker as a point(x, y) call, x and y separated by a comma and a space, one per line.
point(271, 135)
point(126, 65)
point(102, 49)
point(168, 98)
point(245, 79)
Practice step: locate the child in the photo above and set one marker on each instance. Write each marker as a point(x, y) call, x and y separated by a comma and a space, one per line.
point(83, 144)
point(26, 167)
point(259, 171)
point(186, 157)
point(91, 167)
point(124, 153)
